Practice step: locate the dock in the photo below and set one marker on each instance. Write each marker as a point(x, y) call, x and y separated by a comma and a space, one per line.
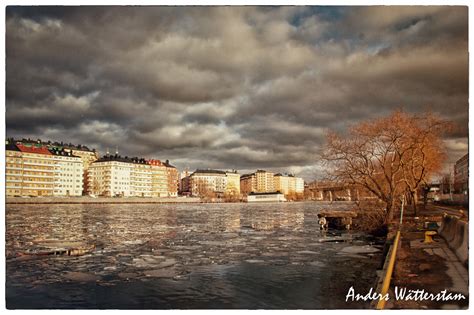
point(339, 218)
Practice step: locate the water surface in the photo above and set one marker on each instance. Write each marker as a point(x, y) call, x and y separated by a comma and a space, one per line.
point(183, 256)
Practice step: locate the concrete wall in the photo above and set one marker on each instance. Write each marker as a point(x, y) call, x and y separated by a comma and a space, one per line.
point(456, 234)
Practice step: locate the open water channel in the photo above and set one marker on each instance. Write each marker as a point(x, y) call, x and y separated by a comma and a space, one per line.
point(184, 256)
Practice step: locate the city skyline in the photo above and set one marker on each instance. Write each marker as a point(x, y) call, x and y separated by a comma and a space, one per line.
point(230, 87)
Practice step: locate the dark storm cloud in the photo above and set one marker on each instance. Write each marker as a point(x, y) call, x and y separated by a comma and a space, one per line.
point(230, 87)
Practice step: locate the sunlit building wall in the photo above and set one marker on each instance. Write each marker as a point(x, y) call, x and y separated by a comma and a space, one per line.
point(68, 173)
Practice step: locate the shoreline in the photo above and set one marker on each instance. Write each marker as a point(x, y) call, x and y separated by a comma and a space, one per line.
point(127, 200)
point(98, 200)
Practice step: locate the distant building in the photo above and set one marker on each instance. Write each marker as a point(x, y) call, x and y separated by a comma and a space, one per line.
point(281, 183)
point(30, 170)
point(13, 170)
point(68, 173)
point(173, 179)
point(266, 197)
point(86, 155)
point(110, 176)
point(203, 182)
point(233, 183)
point(159, 179)
point(299, 185)
point(38, 170)
point(248, 183)
point(114, 175)
point(184, 182)
point(461, 175)
point(264, 181)
point(141, 178)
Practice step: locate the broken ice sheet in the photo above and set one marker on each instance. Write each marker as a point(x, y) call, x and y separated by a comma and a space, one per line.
point(174, 242)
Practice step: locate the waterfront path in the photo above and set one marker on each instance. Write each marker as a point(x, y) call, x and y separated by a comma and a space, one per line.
point(432, 267)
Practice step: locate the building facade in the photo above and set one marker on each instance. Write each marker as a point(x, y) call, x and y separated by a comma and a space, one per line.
point(68, 173)
point(248, 183)
point(173, 179)
point(233, 183)
point(110, 176)
point(461, 175)
point(265, 182)
point(159, 179)
point(204, 182)
point(13, 170)
point(141, 178)
point(266, 197)
point(30, 170)
point(281, 183)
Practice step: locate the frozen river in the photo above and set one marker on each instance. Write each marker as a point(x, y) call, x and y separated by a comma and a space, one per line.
point(184, 256)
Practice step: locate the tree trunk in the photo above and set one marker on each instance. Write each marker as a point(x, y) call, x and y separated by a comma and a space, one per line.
point(389, 215)
point(415, 200)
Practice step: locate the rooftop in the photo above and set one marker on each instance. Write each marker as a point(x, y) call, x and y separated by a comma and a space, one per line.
point(167, 164)
point(208, 171)
point(62, 152)
point(11, 146)
point(56, 144)
point(119, 158)
point(37, 149)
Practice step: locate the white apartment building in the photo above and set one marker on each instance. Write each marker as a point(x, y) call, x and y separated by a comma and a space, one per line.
point(287, 184)
point(299, 185)
point(68, 173)
point(110, 177)
point(203, 181)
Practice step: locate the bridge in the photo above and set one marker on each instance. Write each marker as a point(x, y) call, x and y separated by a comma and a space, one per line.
point(329, 191)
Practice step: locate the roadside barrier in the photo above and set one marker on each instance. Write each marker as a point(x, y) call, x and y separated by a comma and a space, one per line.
point(462, 252)
point(388, 273)
point(449, 229)
point(456, 234)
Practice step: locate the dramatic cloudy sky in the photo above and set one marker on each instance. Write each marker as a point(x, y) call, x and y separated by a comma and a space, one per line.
point(230, 87)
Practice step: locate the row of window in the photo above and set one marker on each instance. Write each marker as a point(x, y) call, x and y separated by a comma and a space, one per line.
point(39, 161)
point(31, 185)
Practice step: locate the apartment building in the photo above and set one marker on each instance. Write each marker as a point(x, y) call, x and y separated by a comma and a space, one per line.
point(282, 183)
point(86, 155)
point(13, 170)
point(261, 181)
point(248, 183)
point(140, 178)
point(264, 181)
point(233, 183)
point(461, 175)
point(29, 170)
point(202, 182)
point(159, 179)
point(173, 179)
point(110, 176)
point(68, 173)
point(299, 185)
point(183, 187)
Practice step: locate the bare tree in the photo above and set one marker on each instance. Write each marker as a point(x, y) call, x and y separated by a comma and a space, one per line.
point(389, 156)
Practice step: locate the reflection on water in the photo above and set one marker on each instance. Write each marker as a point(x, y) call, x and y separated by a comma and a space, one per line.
point(181, 256)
